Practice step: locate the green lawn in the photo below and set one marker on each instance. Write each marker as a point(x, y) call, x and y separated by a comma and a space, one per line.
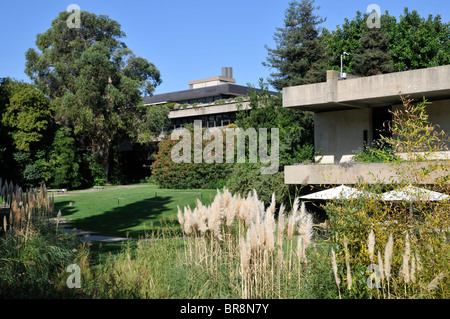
point(136, 209)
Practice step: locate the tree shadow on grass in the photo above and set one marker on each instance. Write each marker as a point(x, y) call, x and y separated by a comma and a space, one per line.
point(66, 207)
point(119, 221)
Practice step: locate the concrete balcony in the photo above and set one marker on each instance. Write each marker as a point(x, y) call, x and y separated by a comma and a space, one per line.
point(351, 113)
point(373, 173)
point(226, 106)
point(369, 92)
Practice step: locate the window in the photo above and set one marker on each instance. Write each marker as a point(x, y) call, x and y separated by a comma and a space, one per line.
point(212, 121)
point(204, 121)
point(219, 120)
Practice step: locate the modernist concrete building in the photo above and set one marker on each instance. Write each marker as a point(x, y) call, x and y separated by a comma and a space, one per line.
point(349, 115)
point(214, 101)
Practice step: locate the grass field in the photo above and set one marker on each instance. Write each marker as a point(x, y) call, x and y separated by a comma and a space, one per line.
point(127, 210)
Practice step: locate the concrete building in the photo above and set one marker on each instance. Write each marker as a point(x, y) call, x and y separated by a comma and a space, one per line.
point(349, 114)
point(214, 101)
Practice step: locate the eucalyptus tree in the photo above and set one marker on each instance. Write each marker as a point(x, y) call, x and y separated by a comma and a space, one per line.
point(95, 83)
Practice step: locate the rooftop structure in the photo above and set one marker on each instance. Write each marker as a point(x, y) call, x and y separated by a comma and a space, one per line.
point(214, 101)
point(202, 91)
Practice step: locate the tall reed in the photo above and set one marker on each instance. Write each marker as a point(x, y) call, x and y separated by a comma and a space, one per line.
point(25, 207)
point(250, 240)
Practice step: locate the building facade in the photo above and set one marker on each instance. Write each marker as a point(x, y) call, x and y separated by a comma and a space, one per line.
point(349, 114)
point(214, 101)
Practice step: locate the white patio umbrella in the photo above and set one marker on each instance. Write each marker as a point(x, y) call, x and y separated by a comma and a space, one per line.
point(414, 194)
point(341, 192)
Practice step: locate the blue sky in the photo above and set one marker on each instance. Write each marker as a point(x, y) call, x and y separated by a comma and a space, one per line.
point(186, 40)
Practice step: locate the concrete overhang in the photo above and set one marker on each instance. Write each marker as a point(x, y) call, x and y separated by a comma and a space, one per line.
point(368, 92)
point(373, 173)
point(211, 91)
point(209, 109)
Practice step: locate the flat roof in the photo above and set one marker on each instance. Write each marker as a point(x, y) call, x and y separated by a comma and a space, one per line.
point(193, 94)
point(216, 78)
point(200, 93)
point(368, 92)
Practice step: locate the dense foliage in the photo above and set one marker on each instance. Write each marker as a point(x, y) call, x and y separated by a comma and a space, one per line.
point(407, 43)
point(94, 82)
point(372, 56)
point(296, 128)
point(169, 174)
point(299, 57)
point(296, 145)
point(68, 128)
point(412, 235)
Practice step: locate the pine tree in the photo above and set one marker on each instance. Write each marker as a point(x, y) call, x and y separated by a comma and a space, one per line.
point(372, 56)
point(299, 57)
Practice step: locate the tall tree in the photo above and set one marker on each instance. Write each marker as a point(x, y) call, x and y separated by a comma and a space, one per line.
point(94, 81)
point(296, 127)
point(7, 163)
point(348, 38)
point(413, 41)
point(26, 120)
point(420, 43)
point(299, 57)
point(372, 57)
point(27, 115)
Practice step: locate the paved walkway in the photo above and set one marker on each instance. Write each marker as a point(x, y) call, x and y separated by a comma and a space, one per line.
point(87, 236)
point(91, 236)
point(98, 189)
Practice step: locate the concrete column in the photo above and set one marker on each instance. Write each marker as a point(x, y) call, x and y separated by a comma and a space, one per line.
point(332, 80)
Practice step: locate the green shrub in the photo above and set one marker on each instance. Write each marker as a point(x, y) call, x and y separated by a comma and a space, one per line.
point(245, 178)
point(296, 128)
point(98, 174)
point(170, 106)
point(168, 174)
point(410, 238)
point(375, 154)
point(63, 165)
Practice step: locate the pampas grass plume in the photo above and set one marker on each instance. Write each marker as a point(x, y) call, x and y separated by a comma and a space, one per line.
point(244, 255)
point(435, 282)
point(281, 226)
point(405, 264)
point(335, 268)
point(180, 216)
point(293, 219)
point(306, 229)
point(187, 220)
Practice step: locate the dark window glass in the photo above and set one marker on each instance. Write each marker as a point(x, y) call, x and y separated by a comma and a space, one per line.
point(218, 119)
point(211, 121)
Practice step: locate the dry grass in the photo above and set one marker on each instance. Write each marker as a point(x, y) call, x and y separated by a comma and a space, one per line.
point(409, 280)
point(250, 239)
point(25, 207)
